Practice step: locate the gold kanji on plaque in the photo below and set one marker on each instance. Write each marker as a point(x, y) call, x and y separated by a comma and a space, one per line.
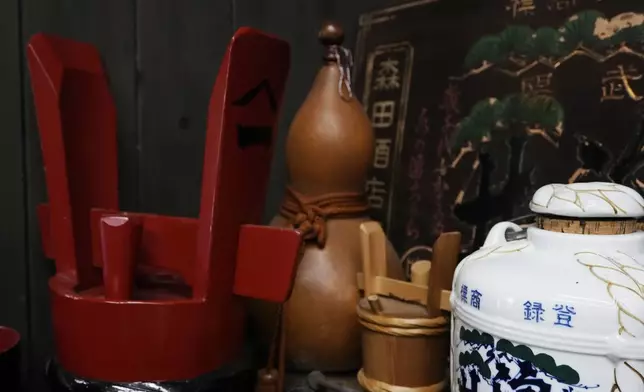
point(561, 5)
point(376, 193)
point(382, 114)
point(537, 84)
point(616, 84)
point(521, 7)
point(388, 75)
point(382, 153)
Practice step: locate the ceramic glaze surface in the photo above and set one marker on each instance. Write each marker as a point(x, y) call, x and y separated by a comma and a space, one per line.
point(555, 311)
point(591, 199)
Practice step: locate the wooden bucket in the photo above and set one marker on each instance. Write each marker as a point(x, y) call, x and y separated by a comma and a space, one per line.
point(403, 349)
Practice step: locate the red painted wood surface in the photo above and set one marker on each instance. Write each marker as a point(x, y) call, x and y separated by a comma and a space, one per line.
point(9, 338)
point(166, 243)
point(119, 241)
point(264, 269)
point(167, 308)
point(241, 132)
point(77, 122)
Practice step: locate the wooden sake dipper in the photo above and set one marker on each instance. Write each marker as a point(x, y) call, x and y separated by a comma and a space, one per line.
point(329, 150)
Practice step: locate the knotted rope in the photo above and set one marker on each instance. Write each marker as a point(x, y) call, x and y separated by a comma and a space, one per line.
point(309, 214)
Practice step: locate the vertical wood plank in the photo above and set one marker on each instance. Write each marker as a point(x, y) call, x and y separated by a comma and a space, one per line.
point(110, 26)
point(13, 267)
point(181, 44)
point(298, 22)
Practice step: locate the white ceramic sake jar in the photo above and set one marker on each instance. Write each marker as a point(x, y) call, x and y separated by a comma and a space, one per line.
point(561, 309)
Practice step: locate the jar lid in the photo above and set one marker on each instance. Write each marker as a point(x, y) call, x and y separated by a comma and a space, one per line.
point(588, 200)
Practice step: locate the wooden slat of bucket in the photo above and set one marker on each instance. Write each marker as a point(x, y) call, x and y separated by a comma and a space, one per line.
point(444, 259)
point(419, 360)
point(374, 254)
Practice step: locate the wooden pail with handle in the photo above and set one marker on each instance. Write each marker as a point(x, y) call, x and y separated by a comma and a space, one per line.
point(405, 325)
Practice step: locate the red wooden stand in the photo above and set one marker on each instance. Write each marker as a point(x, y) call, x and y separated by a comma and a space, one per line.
point(139, 297)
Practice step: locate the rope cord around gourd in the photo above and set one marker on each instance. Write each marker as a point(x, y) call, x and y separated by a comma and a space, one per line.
point(344, 59)
point(372, 385)
point(397, 326)
point(309, 214)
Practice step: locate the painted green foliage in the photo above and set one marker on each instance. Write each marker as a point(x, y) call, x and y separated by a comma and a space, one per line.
point(485, 117)
point(542, 362)
point(514, 42)
point(587, 29)
point(502, 363)
point(496, 49)
point(486, 50)
point(534, 112)
point(516, 114)
point(547, 43)
point(579, 30)
point(518, 42)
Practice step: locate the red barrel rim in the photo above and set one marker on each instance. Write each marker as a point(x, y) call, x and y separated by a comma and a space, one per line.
point(9, 338)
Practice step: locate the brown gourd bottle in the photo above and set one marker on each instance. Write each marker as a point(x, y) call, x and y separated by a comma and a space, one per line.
point(329, 150)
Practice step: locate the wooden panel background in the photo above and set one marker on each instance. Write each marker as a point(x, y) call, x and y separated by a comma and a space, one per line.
point(14, 303)
point(162, 57)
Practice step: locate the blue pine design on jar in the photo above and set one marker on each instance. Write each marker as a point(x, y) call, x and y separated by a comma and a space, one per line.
point(508, 367)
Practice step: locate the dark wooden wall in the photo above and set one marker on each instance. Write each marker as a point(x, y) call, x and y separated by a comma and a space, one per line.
point(162, 57)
